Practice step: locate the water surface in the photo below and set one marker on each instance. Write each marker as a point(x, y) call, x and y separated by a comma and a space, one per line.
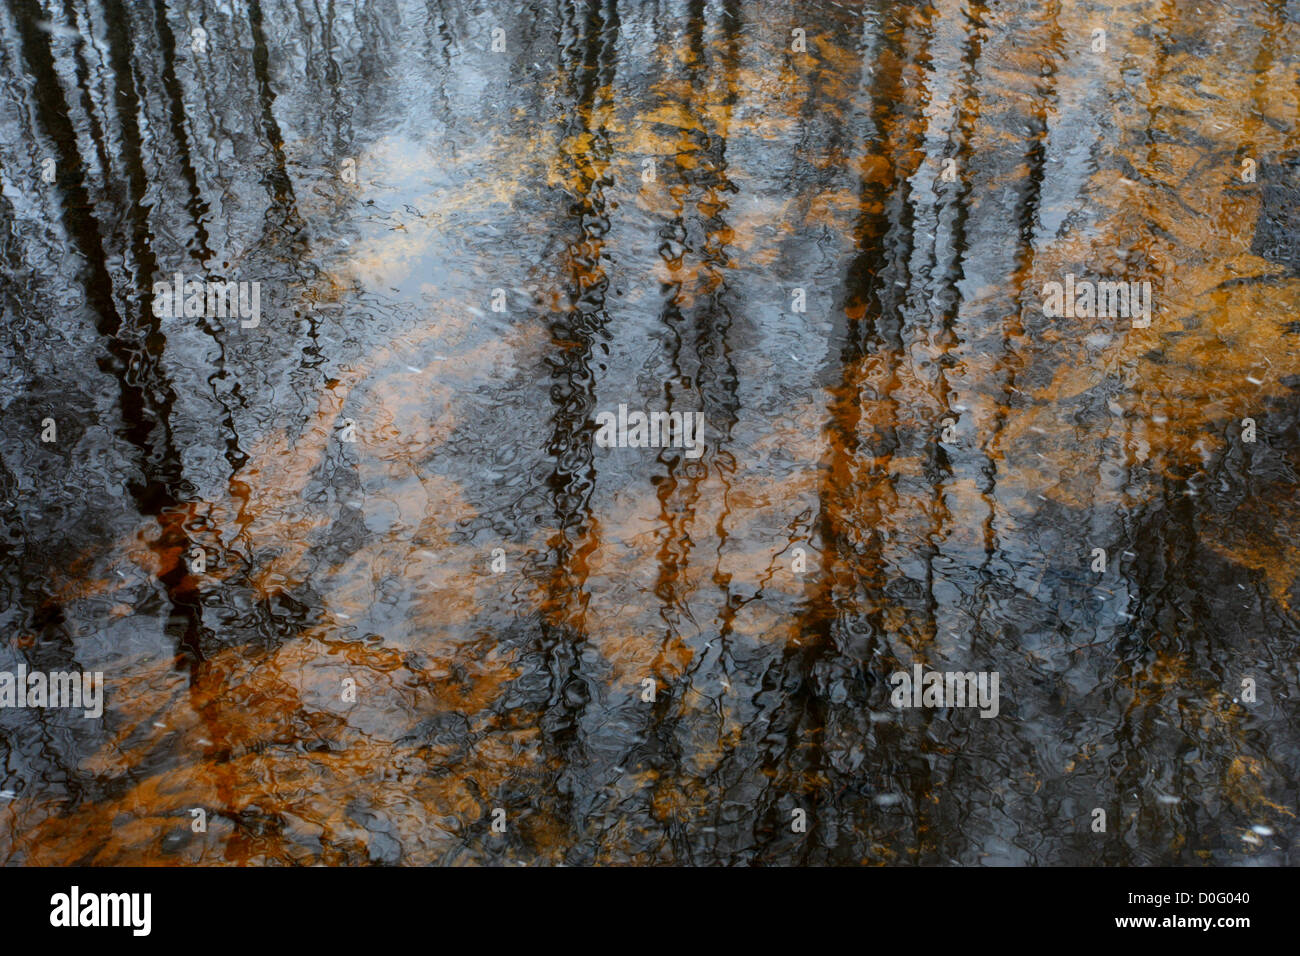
point(941, 455)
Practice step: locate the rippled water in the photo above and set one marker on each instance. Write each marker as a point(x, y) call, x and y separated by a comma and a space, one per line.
point(466, 255)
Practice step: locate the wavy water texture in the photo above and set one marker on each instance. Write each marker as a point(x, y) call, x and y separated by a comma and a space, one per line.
point(429, 594)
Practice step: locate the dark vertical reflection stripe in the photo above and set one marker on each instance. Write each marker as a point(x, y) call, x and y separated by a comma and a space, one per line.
point(134, 349)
